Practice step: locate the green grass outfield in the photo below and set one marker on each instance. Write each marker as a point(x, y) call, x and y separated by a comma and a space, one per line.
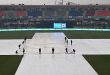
point(70, 34)
point(101, 63)
point(9, 64)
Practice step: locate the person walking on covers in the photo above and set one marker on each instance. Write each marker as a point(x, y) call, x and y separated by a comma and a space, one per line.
point(71, 42)
point(39, 50)
point(23, 51)
point(66, 50)
point(52, 50)
point(74, 51)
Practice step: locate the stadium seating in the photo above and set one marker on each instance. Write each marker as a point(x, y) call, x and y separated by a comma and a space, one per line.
point(34, 16)
point(74, 12)
point(102, 13)
point(2, 13)
point(34, 13)
point(20, 13)
point(10, 13)
point(90, 13)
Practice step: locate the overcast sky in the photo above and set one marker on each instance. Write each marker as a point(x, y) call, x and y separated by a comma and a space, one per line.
point(51, 2)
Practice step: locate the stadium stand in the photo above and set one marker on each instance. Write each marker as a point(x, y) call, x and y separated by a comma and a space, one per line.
point(102, 13)
point(44, 16)
point(74, 12)
point(10, 13)
point(34, 13)
point(90, 13)
point(2, 13)
point(21, 13)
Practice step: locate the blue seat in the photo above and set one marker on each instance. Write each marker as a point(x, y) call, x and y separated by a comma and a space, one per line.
point(75, 13)
point(34, 13)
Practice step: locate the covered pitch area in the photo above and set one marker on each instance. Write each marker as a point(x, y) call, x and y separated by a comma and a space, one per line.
point(58, 63)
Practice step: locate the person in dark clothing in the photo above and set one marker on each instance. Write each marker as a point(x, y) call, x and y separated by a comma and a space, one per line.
point(39, 50)
point(19, 46)
point(67, 41)
point(25, 39)
point(74, 51)
point(66, 50)
point(23, 42)
point(52, 50)
point(23, 51)
point(71, 42)
point(16, 52)
point(65, 38)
